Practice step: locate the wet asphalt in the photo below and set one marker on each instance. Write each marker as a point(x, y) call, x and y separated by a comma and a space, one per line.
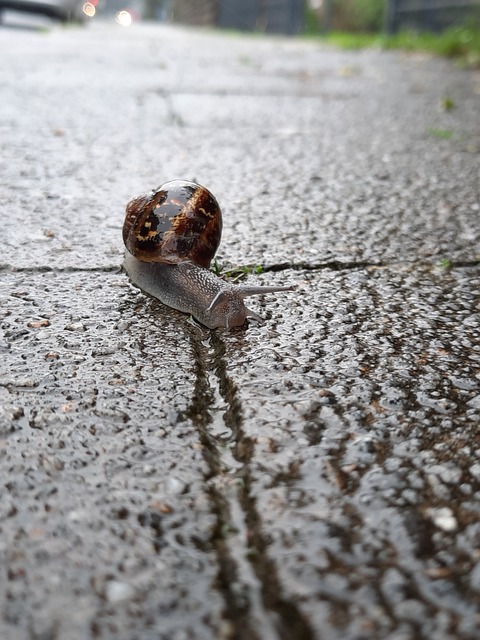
point(313, 477)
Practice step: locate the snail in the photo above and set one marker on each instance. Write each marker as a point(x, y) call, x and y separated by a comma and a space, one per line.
point(171, 235)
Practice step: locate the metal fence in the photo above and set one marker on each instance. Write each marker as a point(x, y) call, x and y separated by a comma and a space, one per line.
point(271, 16)
point(430, 15)
point(288, 16)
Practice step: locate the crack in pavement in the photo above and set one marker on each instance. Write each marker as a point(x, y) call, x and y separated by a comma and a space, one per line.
point(338, 265)
point(254, 600)
point(333, 265)
point(49, 269)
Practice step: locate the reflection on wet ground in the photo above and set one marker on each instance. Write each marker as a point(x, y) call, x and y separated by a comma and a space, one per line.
point(314, 476)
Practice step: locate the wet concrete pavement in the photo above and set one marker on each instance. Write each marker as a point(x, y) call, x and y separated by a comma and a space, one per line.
point(317, 476)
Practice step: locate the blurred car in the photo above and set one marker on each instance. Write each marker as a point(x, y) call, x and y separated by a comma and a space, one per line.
point(64, 10)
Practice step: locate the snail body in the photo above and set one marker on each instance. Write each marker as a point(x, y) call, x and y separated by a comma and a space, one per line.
point(171, 235)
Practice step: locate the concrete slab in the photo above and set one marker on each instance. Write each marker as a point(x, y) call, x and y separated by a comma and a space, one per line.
point(315, 476)
point(337, 156)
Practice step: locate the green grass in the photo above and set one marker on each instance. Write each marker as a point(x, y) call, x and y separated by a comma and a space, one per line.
point(447, 103)
point(235, 273)
point(442, 134)
point(446, 263)
point(461, 43)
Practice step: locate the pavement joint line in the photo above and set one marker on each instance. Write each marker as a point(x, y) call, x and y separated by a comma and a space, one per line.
point(334, 265)
point(337, 265)
point(48, 269)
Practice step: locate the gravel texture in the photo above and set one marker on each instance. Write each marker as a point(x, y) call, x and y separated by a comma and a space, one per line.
point(313, 477)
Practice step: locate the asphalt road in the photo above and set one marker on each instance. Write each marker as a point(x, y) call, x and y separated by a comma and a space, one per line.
point(313, 477)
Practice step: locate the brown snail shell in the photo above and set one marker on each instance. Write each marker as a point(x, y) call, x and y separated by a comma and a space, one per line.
point(177, 222)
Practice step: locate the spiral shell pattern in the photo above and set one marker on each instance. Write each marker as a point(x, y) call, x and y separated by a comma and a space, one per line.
point(178, 222)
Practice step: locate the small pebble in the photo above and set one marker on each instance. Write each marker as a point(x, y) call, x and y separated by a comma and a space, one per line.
point(475, 470)
point(475, 578)
point(118, 591)
point(474, 402)
point(76, 326)
point(174, 486)
point(443, 518)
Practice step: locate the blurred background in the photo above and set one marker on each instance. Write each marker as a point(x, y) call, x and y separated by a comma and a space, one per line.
point(300, 16)
point(445, 27)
